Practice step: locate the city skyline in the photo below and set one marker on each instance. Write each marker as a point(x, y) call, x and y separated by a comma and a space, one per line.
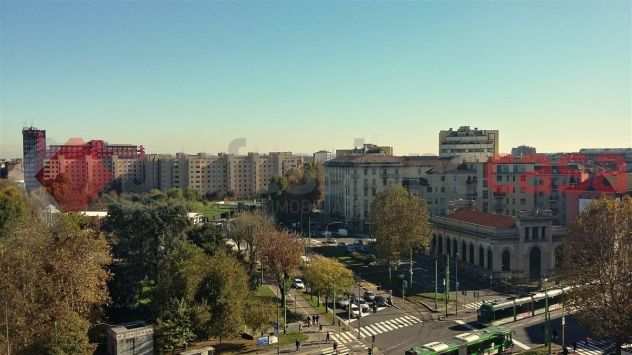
point(193, 77)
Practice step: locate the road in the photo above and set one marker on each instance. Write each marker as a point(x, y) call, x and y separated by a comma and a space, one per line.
point(396, 330)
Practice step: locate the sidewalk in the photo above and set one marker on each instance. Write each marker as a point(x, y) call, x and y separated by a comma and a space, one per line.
point(316, 343)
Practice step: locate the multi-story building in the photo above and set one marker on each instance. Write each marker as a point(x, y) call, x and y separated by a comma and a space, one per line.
point(365, 149)
point(523, 151)
point(34, 152)
point(525, 247)
point(352, 182)
point(321, 156)
point(471, 145)
point(445, 184)
point(239, 175)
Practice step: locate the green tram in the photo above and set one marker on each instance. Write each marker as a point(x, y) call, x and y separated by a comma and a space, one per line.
point(496, 313)
point(492, 340)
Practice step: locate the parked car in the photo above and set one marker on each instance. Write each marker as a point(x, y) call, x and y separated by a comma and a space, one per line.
point(380, 301)
point(361, 302)
point(355, 311)
point(343, 302)
point(326, 234)
point(298, 283)
point(343, 232)
point(369, 296)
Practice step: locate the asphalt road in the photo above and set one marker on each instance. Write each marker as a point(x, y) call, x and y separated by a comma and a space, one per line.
point(397, 329)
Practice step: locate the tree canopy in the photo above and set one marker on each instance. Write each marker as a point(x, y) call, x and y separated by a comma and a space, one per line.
point(597, 260)
point(399, 222)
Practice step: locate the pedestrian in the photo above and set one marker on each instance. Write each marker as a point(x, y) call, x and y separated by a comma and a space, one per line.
point(335, 347)
point(327, 337)
point(300, 327)
point(309, 321)
point(575, 346)
point(298, 344)
point(320, 327)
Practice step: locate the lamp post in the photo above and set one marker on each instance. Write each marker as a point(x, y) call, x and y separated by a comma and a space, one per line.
point(436, 261)
point(447, 283)
point(456, 278)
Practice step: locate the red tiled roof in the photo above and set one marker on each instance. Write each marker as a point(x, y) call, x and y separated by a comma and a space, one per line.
point(484, 219)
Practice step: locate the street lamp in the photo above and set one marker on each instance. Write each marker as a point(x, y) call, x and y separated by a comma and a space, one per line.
point(456, 278)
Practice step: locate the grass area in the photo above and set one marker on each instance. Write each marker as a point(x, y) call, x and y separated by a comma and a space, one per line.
point(209, 209)
point(265, 292)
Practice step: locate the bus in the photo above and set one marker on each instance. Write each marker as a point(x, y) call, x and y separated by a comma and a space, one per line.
point(501, 312)
point(488, 341)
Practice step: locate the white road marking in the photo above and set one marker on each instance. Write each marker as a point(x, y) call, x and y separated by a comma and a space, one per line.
point(521, 345)
point(460, 322)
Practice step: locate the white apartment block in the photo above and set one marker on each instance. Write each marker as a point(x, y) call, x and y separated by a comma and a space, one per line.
point(242, 175)
point(471, 145)
point(352, 182)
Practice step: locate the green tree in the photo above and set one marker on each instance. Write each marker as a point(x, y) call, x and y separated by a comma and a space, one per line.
point(70, 336)
point(208, 237)
point(597, 259)
point(224, 290)
point(399, 223)
point(326, 275)
point(13, 207)
point(259, 313)
point(52, 284)
point(141, 235)
point(174, 329)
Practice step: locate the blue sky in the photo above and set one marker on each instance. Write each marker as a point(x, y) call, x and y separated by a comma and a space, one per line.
point(309, 75)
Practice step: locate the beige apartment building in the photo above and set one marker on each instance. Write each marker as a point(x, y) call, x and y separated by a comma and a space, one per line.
point(242, 175)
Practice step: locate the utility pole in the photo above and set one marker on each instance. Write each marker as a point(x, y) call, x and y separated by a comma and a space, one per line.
point(436, 280)
point(6, 320)
point(563, 318)
point(278, 330)
point(360, 311)
point(447, 283)
point(547, 324)
point(309, 233)
point(411, 267)
point(284, 309)
point(456, 277)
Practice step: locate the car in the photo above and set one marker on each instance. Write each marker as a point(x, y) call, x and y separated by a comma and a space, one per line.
point(330, 241)
point(380, 301)
point(343, 302)
point(343, 232)
point(355, 311)
point(361, 302)
point(298, 283)
point(326, 234)
point(369, 296)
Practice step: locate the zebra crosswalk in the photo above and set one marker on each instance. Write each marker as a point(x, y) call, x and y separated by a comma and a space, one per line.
point(474, 306)
point(594, 347)
point(341, 350)
point(387, 326)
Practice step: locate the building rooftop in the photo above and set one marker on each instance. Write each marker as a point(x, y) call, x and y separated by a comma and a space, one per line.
point(470, 215)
